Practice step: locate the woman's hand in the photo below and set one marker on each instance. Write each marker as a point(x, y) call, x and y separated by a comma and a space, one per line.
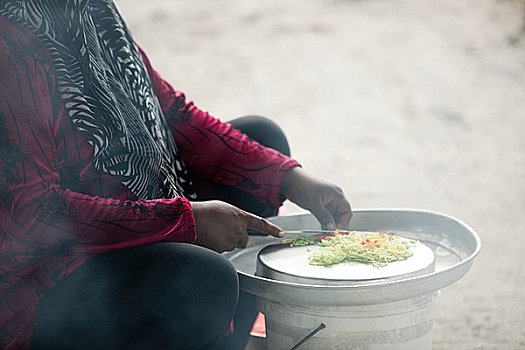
point(324, 200)
point(224, 227)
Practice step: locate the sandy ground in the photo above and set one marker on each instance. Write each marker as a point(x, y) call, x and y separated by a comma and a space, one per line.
point(405, 104)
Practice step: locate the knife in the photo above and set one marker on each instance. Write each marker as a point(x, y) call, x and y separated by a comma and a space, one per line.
point(293, 232)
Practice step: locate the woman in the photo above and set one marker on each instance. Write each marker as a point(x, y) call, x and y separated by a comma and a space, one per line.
point(116, 194)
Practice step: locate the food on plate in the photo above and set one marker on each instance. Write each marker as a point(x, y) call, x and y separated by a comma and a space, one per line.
point(378, 249)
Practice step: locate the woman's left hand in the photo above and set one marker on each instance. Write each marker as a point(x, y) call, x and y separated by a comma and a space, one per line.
point(324, 200)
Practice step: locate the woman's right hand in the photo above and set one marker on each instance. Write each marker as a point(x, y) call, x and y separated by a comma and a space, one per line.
point(224, 227)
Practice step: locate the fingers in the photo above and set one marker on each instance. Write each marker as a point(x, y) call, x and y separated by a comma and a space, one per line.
point(344, 220)
point(264, 226)
point(333, 212)
point(324, 217)
point(343, 214)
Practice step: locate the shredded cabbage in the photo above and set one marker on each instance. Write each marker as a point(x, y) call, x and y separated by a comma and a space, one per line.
point(378, 249)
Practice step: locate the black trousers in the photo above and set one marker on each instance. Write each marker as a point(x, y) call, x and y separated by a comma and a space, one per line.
point(159, 296)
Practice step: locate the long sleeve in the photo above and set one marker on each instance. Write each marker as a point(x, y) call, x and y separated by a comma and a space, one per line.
point(55, 209)
point(33, 200)
point(216, 151)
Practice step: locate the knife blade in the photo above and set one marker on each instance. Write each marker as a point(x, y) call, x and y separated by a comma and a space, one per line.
point(293, 232)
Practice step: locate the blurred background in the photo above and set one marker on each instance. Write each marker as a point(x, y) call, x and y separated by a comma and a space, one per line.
point(404, 104)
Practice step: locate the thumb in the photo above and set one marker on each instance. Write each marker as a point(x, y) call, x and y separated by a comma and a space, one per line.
point(325, 218)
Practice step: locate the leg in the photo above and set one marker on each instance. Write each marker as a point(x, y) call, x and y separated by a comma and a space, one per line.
point(160, 296)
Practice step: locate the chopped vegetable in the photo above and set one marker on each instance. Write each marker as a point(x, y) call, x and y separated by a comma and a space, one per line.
point(302, 241)
point(378, 249)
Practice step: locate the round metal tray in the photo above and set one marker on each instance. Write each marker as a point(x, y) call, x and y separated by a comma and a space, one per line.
point(455, 245)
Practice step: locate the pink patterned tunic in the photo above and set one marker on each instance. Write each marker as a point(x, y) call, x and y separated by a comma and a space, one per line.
point(57, 210)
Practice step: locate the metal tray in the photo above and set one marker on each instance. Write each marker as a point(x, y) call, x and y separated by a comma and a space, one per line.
point(455, 245)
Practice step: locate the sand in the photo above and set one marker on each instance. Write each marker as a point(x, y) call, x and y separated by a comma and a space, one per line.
point(404, 104)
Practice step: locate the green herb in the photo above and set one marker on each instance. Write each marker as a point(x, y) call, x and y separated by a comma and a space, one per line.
point(300, 241)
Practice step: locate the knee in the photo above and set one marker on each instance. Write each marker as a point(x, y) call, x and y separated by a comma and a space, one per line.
point(192, 269)
point(263, 130)
point(215, 272)
point(198, 290)
point(201, 276)
point(204, 264)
